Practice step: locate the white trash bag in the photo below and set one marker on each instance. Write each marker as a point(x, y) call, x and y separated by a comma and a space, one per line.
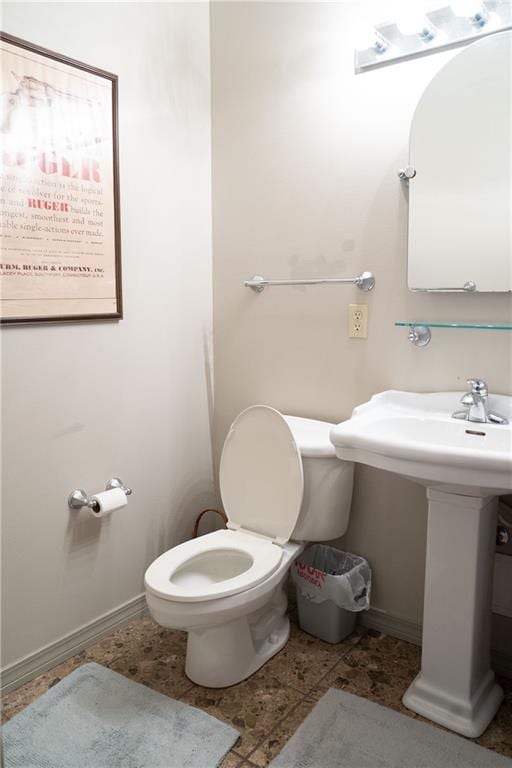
point(323, 573)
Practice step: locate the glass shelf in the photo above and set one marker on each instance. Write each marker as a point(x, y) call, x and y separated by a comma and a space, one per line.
point(477, 326)
point(420, 334)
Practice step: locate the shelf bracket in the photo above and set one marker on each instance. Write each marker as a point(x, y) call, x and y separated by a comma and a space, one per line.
point(419, 335)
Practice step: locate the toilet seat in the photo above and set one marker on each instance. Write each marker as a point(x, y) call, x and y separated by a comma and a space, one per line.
point(261, 475)
point(213, 566)
point(262, 485)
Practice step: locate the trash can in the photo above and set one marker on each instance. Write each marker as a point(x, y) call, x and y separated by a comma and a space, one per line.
point(332, 587)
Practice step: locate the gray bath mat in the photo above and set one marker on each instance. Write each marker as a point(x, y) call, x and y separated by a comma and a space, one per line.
point(95, 718)
point(345, 731)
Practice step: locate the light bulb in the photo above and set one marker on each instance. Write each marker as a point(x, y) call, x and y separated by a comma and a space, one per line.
point(468, 8)
point(414, 22)
point(409, 22)
point(474, 10)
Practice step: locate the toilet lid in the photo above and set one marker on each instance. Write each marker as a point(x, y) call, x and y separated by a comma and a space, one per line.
point(261, 476)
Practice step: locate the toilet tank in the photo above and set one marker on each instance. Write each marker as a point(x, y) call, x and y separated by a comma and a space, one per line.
point(328, 482)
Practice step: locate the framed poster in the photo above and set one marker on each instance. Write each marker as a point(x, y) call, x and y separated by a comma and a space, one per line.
point(59, 202)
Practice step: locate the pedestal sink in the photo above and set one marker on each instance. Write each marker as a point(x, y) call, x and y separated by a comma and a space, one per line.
point(464, 466)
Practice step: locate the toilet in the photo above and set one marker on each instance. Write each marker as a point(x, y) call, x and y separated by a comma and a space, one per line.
point(281, 486)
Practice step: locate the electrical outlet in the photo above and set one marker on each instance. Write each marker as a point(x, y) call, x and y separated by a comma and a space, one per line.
point(358, 321)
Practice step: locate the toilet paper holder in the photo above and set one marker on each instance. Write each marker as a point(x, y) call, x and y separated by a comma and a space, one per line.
point(78, 498)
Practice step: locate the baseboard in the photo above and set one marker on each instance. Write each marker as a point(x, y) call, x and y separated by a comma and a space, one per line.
point(45, 658)
point(383, 622)
point(391, 625)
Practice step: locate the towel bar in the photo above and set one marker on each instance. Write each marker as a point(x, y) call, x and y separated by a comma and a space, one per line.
point(365, 281)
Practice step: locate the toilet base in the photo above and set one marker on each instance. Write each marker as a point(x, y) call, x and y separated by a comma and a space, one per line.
point(226, 654)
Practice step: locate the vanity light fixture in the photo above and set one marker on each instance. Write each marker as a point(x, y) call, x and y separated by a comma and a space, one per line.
point(425, 27)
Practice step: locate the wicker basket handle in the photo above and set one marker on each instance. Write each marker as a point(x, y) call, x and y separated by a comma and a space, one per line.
point(198, 520)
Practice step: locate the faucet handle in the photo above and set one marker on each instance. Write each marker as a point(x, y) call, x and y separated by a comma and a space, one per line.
point(478, 387)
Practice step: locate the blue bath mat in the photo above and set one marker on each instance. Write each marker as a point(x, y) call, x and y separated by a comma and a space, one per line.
point(345, 731)
point(95, 718)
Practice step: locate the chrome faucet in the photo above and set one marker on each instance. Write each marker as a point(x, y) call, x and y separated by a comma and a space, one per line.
point(477, 406)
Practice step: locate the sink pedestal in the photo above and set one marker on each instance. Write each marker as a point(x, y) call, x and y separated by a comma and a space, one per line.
point(456, 685)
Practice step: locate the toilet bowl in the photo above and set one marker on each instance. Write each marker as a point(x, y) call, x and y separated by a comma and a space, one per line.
point(281, 486)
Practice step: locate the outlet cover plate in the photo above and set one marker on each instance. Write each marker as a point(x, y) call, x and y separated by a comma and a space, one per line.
point(358, 321)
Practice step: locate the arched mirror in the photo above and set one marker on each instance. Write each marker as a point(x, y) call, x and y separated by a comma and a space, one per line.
point(460, 200)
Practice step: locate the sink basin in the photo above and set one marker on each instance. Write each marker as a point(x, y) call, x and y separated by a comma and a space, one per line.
point(464, 465)
point(414, 435)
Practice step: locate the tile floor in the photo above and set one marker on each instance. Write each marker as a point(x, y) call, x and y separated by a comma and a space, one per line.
point(271, 705)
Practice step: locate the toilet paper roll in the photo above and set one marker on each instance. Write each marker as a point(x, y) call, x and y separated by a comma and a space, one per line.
point(109, 501)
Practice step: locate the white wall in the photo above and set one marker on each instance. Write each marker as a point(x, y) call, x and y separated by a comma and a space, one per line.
point(305, 161)
point(84, 402)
